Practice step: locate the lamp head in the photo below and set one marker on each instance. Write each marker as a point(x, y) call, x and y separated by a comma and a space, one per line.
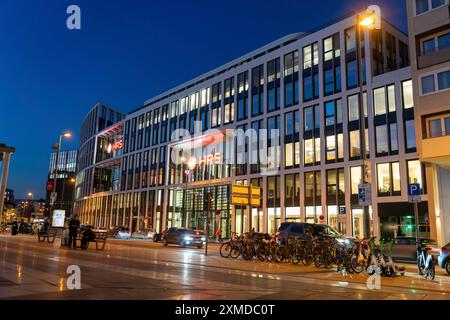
point(371, 18)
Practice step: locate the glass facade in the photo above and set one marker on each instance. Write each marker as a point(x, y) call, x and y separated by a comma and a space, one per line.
point(317, 118)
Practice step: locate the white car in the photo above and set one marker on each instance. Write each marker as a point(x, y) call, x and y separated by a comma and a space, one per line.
point(144, 234)
point(123, 234)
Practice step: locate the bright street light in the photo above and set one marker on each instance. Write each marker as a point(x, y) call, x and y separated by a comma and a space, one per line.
point(368, 21)
point(54, 196)
point(192, 163)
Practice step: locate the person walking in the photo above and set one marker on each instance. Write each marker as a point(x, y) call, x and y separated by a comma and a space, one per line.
point(218, 234)
point(74, 224)
point(45, 227)
point(14, 227)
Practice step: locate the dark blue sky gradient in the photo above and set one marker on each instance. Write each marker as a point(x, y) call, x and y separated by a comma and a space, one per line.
point(126, 52)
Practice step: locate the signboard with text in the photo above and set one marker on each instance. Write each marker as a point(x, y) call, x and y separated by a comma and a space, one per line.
point(58, 218)
point(241, 195)
point(50, 185)
point(414, 192)
point(364, 194)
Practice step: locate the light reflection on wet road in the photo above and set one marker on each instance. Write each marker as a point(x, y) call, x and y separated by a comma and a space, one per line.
point(137, 270)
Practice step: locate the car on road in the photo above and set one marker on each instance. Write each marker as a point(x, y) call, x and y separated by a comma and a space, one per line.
point(158, 237)
point(444, 258)
point(299, 229)
point(119, 232)
point(123, 234)
point(145, 234)
point(184, 237)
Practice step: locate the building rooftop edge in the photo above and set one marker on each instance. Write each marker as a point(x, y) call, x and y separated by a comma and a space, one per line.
point(244, 58)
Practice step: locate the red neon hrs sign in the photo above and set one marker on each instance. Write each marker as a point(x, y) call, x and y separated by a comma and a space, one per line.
point(115, 146)
point(209, 159)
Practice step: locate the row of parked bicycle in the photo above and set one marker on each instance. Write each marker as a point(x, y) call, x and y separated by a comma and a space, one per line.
point(353, 256)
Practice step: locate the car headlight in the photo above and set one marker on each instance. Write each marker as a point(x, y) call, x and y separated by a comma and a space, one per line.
point(203, 238)
point(187, 238)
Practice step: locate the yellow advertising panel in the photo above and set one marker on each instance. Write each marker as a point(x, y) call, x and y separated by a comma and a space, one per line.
point(241, 190)
point(241, 201)
point(241, 195)
point(256, 202)
point(256, 191)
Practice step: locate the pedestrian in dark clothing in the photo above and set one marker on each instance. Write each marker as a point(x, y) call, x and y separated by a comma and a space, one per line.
point(45, 227)
point(14, 228)
point(74, 224)
point(88, 235)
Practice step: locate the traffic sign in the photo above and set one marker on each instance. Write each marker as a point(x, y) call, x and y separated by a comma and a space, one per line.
point(414, 192)
point(364, 194)
point(342, 210)
point(50, 185)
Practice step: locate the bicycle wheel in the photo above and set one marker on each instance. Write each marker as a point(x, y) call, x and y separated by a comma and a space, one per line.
point(295, 258)
point(235, 251)
point(356, 266)
point(268, 252)
point(307, 257)
point(318, 260)
point(277, 255)
point(420, 265)
point(260, 253)
point(247, 252)
point(225, 250)
point(430, 272)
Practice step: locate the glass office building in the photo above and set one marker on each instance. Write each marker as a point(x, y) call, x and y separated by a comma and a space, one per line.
point(305, 87)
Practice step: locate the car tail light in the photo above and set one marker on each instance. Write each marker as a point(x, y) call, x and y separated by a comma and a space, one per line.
point(443, 249)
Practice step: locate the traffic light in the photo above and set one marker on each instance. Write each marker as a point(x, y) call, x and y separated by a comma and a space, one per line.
point(208, 203)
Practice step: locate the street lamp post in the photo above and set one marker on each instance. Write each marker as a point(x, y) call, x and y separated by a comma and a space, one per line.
point(371, 20)
point(55, 177)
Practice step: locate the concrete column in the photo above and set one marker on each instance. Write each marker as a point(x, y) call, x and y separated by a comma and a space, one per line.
point(442, 205)
point(433, 203)
point(7, 157)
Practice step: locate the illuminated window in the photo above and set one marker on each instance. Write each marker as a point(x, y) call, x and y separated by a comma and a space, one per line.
point(384, 178)
point(415, 173)
point(407, 94)
point(310, 72)
point(309, 151)
point(379, 101)
point(356, 178)
point(331, 148)
point(382, 140)
point(355, 144)
point(353, 108)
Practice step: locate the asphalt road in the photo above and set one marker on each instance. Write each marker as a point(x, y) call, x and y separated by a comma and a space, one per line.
point(143, 270)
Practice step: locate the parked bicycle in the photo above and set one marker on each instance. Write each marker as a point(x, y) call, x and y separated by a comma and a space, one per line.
point(425, 260)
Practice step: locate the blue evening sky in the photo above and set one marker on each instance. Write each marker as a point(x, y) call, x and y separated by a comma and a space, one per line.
point(125, 53)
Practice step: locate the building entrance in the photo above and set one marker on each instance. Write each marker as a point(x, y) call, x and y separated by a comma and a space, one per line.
point(187, 208)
